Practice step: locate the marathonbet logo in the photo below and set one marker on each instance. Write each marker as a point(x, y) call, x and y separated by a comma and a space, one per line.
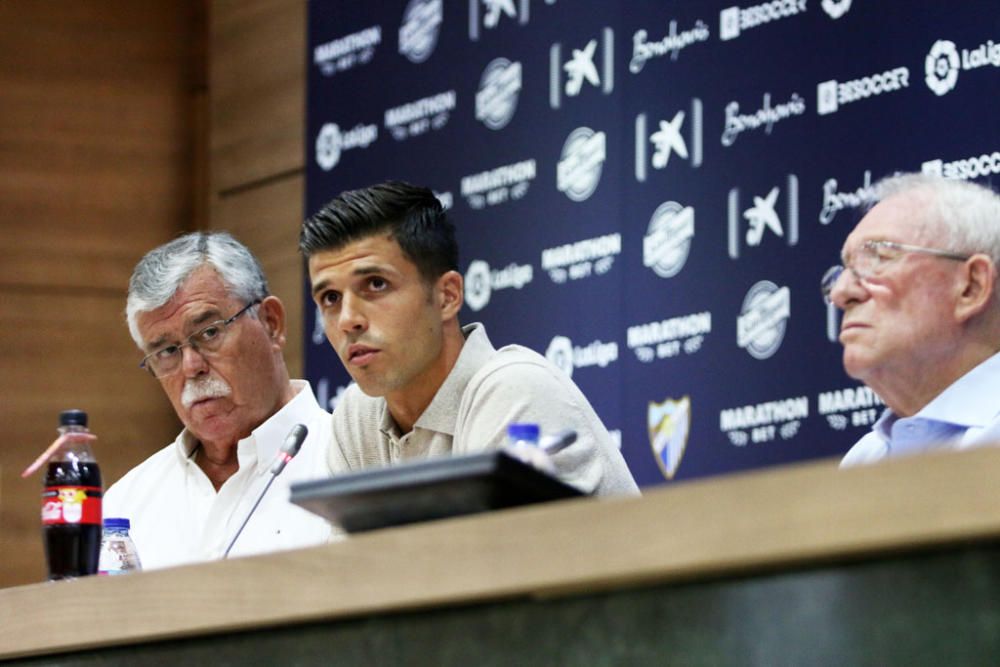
point(499, 89)
point(331, 142)
point(421, 116)
point(499, 185)
point(567, 357)
point(669, 140)
point(582, 259)
point(665, 339)
point(343, 53)
point(592, 66)
point(418, 34)
point(736, 20)
point(944, 62)
point(581, 163)
point(491, 13)
point(762, 219)
point(833, 94)
point(763, 318)
point(764, 422)
point(481, 281)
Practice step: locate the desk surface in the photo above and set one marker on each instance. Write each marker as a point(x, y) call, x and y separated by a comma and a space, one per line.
point(757, 521)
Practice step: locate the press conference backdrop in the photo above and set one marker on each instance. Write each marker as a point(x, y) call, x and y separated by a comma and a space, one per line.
point(649, 192)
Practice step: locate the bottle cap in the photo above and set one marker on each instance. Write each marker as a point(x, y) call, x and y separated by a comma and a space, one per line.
point(523, 431)
point(117, 523)
point(72, 418)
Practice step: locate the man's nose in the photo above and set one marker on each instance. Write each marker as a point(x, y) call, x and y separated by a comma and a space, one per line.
point(352, 317)
point(192, 361)
point(847, 289)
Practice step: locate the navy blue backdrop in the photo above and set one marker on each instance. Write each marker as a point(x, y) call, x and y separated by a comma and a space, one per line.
point(649, 191)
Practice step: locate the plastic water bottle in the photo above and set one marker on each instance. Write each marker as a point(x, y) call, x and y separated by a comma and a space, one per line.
point(118, 553)
point(522, 444)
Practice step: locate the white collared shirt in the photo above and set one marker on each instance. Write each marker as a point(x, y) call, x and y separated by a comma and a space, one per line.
point(178, 517)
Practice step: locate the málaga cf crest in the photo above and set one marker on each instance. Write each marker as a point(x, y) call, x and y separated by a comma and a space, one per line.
point(669, 424)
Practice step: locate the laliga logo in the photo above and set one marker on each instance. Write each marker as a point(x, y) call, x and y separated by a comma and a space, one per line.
point(566, 357)
point(763, 215)
point(760, 327)
point(667, 243)
point(581, 163)
point(331, 142)
point(668, 140)
point(480, 281)
point(669, 424)
point(499, 88)
point(941, 67)
point(560, 353)
point(836, 8)
point(418, 34)
point(582, 67)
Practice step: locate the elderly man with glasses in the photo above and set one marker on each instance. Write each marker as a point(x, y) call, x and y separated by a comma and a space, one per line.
point(199, 309)
point(921, 315)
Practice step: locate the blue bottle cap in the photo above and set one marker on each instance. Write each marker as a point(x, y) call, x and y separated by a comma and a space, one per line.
point(117, 523)
point(523, 431)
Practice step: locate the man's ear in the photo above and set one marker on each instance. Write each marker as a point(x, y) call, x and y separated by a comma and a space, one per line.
point(271, 313)
point(978, 280)
point(450, 291)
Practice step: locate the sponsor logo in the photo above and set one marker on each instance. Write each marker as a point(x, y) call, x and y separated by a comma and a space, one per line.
point(567, 357)
point(834, 201)
point(343, 53)
point(766, 117)
point(415, 118)
point(582, 67)
point(481, 281)
point(764, 422)
point(581, 259)
point(325, 398)
point(735, 20)
point(986, 164)
point(763, 318)
point(666, 339)
point(644, 50)
point(852, 406)
point(763, 217)
point(667, 242)
point(943, 63)
point(831, 95)
point(418, 34)
point(499, 88)
point(446, 198)
point(581, 163)
point(836, 8)
point(331, 142)
point(494, 12)
point(318, 336)
point(669, 424)
point(668, 140)
point(500, 185)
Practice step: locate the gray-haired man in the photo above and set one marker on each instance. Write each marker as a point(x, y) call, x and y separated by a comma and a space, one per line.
point(921, 323)
point(199, 309)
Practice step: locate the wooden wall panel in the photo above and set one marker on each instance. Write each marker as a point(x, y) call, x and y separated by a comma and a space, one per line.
point(257, 84)
point(95, 151)
point(267, 219)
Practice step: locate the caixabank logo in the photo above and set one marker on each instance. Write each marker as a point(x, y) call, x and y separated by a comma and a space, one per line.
point(763, 319)
point(849, 406)
point(764, 422)
point(669, 338)
point(499, 185)
point(343, 53)
point(490, 14)
point(499, 90)
point(481, 281)
point(944, 62)
point(420, 116)
point(331, 142)
point(734, 21)
point(766, 117)
point(762, 218)
point(678, 137)
point(568, 357)
point(591, 66)
point(836, 200)
point(418, 33)
point(833, 94)
point(669, 46)
point(667, 243)
point(582, 259)
point(581, 162)
point(669, 424)
point(977, 166)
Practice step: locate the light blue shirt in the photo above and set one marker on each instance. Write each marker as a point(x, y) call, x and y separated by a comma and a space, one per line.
point(966, 414)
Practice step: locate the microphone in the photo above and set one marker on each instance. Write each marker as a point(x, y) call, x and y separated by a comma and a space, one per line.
point(293, 442)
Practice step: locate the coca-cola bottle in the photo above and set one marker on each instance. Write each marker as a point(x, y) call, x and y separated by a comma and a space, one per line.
point(71, 503)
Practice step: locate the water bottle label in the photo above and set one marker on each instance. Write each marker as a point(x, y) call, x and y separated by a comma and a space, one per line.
point(73, 505)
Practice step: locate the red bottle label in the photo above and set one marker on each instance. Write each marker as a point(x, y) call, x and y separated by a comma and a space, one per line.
point(71, 505)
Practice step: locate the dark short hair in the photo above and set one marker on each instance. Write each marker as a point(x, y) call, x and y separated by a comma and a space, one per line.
point(411, 215)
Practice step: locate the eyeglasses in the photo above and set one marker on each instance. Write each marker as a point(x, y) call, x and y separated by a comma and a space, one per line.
point(871, 259)
point(207, 341)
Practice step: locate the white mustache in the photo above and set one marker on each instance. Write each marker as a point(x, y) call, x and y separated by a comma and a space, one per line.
point(202, 387)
